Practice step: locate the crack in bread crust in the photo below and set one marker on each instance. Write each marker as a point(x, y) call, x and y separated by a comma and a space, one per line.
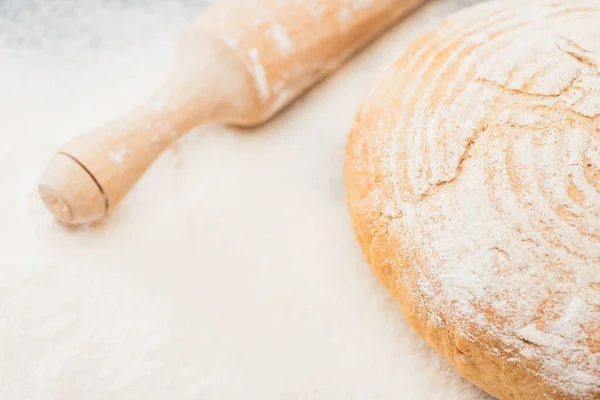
point(473, 184)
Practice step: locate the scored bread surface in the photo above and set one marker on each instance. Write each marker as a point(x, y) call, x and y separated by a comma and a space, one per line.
point(473, 183)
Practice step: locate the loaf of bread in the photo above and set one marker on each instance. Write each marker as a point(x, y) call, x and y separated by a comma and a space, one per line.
point(473, 183)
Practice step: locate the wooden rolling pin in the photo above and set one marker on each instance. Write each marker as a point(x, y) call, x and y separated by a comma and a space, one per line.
point(240, 63)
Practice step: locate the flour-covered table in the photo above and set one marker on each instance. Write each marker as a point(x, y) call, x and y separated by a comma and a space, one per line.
point(231, 271)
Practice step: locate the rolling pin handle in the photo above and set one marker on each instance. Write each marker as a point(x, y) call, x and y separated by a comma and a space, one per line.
point(71, 193)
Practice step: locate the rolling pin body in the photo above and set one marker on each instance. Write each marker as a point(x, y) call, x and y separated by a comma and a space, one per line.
point(239, 63)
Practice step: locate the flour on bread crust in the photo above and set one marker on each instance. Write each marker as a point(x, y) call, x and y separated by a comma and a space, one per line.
point(473, 182)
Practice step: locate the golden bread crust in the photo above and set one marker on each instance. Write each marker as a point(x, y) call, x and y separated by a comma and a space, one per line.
point(473, 184)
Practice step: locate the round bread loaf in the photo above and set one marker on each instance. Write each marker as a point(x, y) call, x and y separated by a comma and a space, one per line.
point(473, 182)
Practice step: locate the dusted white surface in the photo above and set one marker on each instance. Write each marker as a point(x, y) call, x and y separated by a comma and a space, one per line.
point(231, 271)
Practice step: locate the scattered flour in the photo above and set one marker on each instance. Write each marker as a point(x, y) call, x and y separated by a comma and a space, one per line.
point(282, 38)
point(230, 272)
point(117, 156)
point(259, 74)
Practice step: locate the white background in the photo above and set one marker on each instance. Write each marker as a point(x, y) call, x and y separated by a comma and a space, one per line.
point(231, 271)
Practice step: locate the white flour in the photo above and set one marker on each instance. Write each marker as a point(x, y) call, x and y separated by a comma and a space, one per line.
point(230, 272)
